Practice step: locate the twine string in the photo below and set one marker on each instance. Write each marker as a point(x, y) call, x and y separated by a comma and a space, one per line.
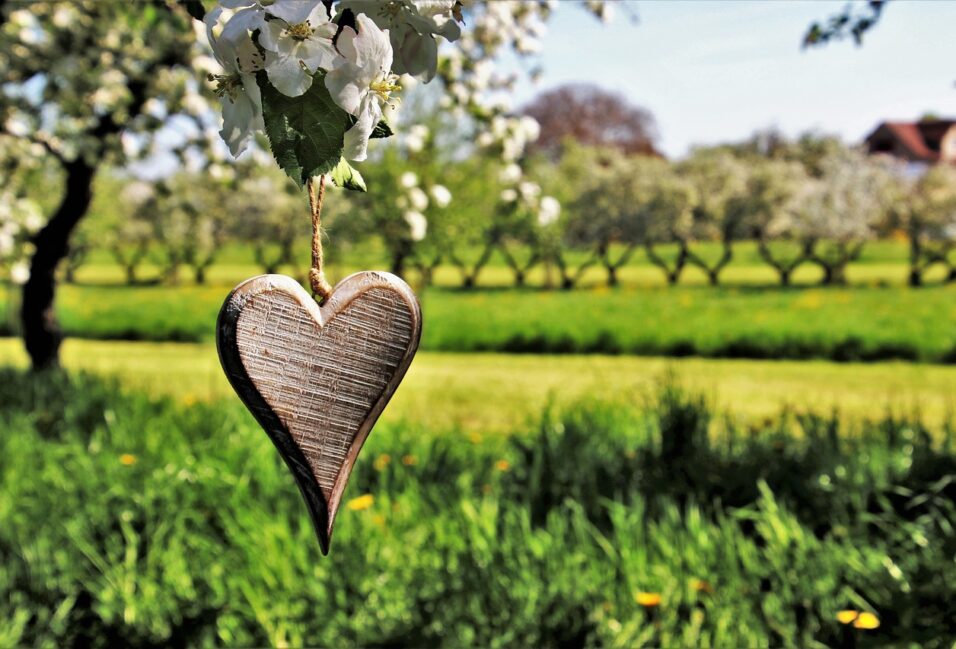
point(321, 289)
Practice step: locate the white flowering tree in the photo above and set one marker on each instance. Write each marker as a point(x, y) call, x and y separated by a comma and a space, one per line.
point(839, 212)
point(773, 191)
point(929, 216)
point(665, 203)
point(721, 183)
point(610, 210)
point(87, 83)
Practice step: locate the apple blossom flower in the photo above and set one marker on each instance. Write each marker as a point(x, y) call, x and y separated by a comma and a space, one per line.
point(440, 195)
point(412, 26)
point(409, 179)
point(417, 224)
point(236, 86)
point(362, 81)
point(549, 209)
point(295, 50)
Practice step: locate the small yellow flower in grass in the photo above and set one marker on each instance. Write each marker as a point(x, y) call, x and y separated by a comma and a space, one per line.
point(648, 600)
point(701, 586)
point(382, 461)
point(127, 459)
point(866, 621)
point(502, 465)
point(379, 520)
point(189, 399)
point(409, 460)
point(474, 438)
point(847, 616)
point(361, 503)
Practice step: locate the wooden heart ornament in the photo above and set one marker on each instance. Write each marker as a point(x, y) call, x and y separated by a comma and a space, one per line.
point(317, 378)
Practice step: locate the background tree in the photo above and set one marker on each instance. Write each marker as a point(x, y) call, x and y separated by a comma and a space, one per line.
point(929, 216)
point(592, 116)
point(842, 210)
point(721, 181)
point(609, 211)
point(79, 79)
point(773, 187)
point(668, 212)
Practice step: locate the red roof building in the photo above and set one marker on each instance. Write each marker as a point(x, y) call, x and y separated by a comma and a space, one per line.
point(929, 141)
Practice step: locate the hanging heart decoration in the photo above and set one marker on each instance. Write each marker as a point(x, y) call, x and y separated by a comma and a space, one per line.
point(318, 377)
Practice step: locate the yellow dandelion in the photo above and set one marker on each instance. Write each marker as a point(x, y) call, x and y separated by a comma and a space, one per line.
point(409, 460)
point(127, 459)
point(189, 399)
point(701, 586)
point(361, 503)
point(648, 600)
point(866, 621)
point(846, 616)
point(502, 465)
point(382, 461)
point(474, 438)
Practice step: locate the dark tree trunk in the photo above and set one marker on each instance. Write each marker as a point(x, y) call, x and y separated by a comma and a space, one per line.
point(41, 332)
point(200, 274)
point(784, 276)
point(611, 275)
point(131, 274)
point(398, 263)
point(916, 276)
point(952, 275)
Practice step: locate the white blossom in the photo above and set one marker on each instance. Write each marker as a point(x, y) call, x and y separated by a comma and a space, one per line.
point(362, 81)
point(409, 179)
point(295, 51)
point(412, 26)
point(417, 224)
point(441, 195)
point(549, 209)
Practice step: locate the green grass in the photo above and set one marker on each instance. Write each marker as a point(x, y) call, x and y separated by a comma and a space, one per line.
point(498, 393)
point(846, 324)
point(142, 522)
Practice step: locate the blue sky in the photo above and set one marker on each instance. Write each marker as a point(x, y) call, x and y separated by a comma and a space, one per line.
point(714, 72)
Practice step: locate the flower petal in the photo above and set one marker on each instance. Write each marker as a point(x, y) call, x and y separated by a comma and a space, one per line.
point(293, 11)
point(287, 75)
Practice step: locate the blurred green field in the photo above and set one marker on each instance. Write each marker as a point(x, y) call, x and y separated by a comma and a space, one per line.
point(136, 521)
point(846, 324)
point(497, 393)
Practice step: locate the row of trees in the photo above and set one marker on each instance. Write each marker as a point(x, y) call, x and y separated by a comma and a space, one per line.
point(808, 202)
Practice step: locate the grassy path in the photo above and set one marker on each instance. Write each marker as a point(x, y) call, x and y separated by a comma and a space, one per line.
point(497, 392)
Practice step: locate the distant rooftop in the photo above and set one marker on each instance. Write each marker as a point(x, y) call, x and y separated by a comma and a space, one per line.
point(931, 140)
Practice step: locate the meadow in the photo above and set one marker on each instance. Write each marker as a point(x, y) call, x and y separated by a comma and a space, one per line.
point(798, 494)
point(142, 521)
point(877, 317)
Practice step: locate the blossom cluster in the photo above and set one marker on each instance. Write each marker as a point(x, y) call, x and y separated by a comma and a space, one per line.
point(525, 195)
point(357, 53)
point(19, 219)
point(413, 200)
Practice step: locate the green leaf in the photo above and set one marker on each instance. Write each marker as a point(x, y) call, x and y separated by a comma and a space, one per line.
point(343, 175)
point(382, 129)
point(306, 133)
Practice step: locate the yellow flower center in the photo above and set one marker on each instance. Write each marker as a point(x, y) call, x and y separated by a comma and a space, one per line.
point(300, 31)
point(227, 85)
point(385, 87)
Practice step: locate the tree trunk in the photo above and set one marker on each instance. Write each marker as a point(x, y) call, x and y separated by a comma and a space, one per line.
point(130, 274)
point(784, 276)
point(398, 263)
point(200, 274)
point(916, 276)
point(41, 332)
point(611, 275)
point(713, 276)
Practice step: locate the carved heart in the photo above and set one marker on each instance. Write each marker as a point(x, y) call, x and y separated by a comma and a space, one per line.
point(317, 378)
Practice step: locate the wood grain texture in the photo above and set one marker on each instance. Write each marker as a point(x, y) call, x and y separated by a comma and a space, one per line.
point(317, 378)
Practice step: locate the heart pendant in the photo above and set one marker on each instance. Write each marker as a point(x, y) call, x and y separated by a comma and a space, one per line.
point(317, 378)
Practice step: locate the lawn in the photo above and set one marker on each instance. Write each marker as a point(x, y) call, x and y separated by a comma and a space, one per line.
point(499, 393)
point(856, 323)
point(136, 521)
